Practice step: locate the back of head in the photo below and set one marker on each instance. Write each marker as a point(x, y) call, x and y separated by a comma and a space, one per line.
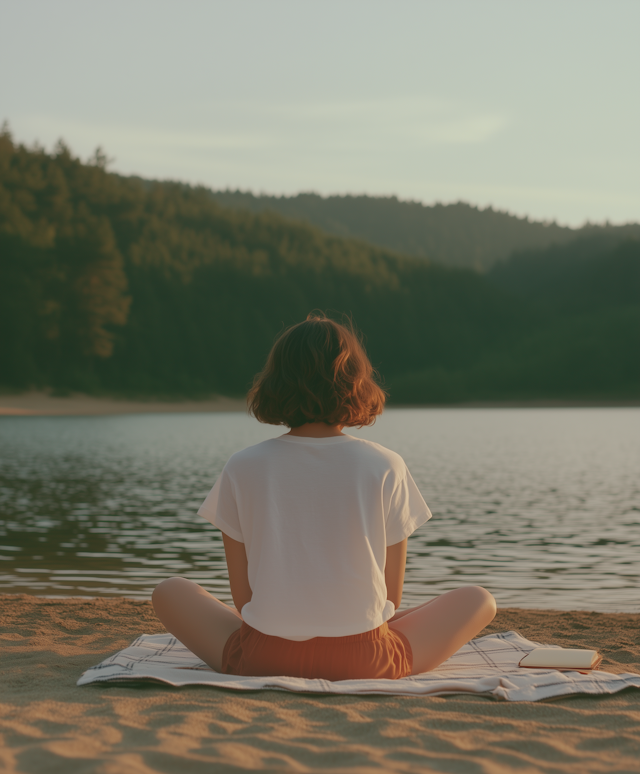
point(317, 371)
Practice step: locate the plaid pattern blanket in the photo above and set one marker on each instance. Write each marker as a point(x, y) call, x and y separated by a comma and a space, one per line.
point(487, 665)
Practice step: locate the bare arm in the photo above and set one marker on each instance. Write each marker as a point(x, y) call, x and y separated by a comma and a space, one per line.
point(394, 571)
point(238, 573)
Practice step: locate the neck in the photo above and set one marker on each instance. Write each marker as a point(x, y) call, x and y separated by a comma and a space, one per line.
point(316, 430)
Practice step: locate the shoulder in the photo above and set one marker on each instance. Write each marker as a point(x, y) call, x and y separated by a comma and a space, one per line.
point(376, 453)
point(245, 457)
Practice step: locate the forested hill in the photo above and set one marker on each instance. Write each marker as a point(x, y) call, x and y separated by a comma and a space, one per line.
point(455, 235)
point(108, 284)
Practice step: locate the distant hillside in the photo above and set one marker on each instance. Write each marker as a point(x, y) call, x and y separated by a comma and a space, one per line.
point(576, 332)
point(133, 287)
point(593, 272)
point(456, 235)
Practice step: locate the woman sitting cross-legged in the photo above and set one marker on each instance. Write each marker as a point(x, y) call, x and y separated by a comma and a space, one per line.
point(315, 526)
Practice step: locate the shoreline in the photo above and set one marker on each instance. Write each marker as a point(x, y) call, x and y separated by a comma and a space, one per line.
point(47, 723)
point(41, 403)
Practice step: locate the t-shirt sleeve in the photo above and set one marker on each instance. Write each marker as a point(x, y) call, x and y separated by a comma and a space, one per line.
point(407, 511)
point(221, 509)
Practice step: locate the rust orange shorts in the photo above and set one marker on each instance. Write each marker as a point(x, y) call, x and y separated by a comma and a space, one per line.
point(380, 653)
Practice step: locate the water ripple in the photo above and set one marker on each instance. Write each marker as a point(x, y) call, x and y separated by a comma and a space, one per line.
point(541, 506)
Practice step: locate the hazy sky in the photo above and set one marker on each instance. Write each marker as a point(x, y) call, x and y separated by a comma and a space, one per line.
point(530, 106)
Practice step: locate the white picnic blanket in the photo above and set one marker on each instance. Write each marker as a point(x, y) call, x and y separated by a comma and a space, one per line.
point(487, 665)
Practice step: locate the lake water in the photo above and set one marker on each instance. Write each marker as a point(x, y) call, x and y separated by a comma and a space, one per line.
point(540, 506)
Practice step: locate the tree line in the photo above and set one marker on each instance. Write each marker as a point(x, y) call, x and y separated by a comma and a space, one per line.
point(455, 235)
point(139, 288)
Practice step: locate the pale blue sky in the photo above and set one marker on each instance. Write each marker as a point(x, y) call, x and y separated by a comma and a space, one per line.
point(530, 106)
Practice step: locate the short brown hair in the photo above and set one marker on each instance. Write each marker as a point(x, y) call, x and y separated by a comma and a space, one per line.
point(317, 371)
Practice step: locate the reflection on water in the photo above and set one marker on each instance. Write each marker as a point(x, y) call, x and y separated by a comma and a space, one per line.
point(541, 506)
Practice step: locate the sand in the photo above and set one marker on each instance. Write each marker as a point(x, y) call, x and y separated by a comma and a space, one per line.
point(47, 724)
point(44, 404)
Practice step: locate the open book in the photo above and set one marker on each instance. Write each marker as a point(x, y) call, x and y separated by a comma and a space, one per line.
point(561, 658)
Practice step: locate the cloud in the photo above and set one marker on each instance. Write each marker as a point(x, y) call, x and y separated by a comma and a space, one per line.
point(377, 123)
point(227, 130)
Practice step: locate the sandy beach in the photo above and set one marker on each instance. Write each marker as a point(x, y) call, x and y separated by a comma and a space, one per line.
point(47, 724)
point(43, 404)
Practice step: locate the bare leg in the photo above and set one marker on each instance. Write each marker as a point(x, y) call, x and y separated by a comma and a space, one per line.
point(437, 629)
point(200, 621)
point(401, 613)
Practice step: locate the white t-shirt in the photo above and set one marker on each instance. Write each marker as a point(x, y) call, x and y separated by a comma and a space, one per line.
point(316, 516)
